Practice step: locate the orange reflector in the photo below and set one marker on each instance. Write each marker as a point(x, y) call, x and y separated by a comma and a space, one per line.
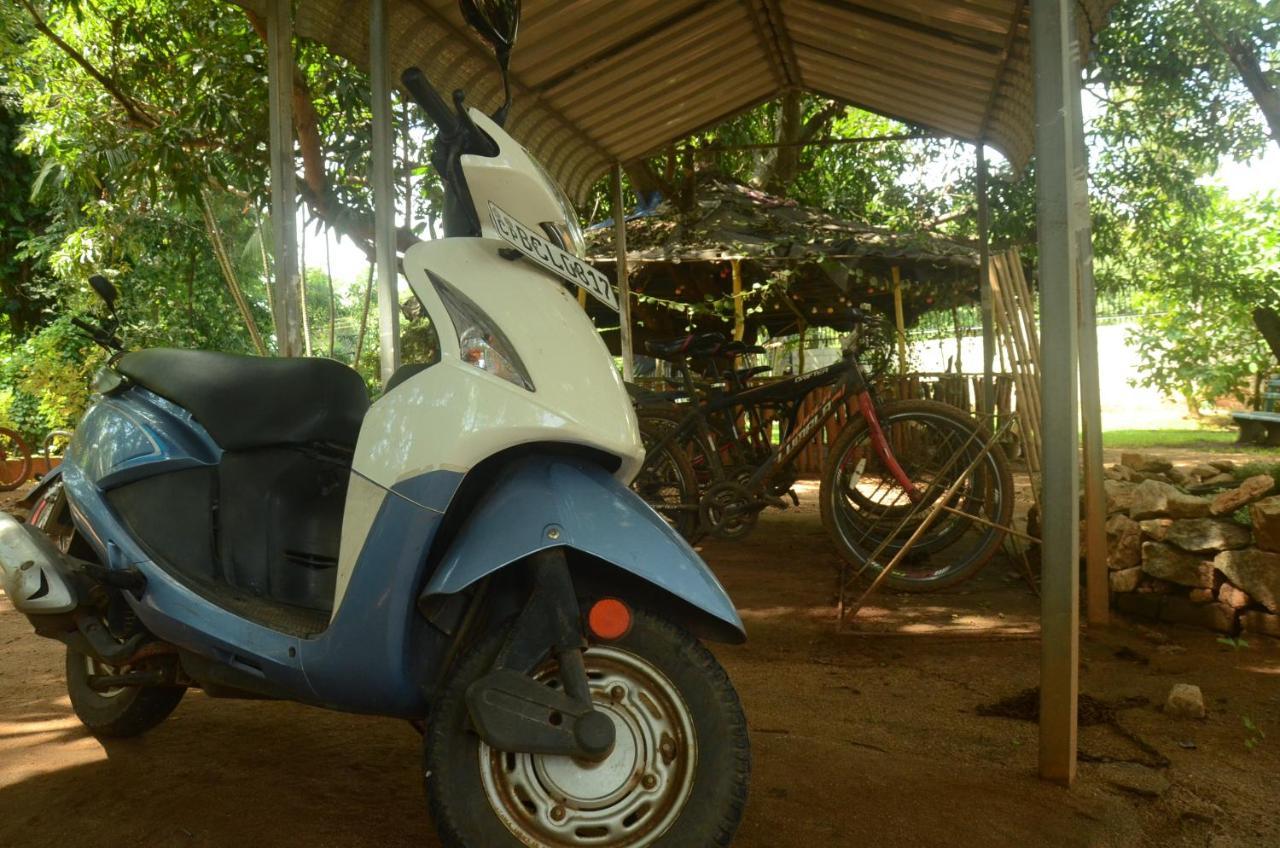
point(609, 619)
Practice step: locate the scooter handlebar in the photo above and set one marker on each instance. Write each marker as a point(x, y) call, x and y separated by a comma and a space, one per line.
point(430, 100)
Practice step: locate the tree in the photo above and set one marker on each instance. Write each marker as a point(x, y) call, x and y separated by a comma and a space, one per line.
point(1200, 279)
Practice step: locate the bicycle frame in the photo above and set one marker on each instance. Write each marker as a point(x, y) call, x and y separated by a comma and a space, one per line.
point(798, 435)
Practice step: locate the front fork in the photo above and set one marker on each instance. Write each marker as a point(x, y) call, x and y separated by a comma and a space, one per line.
point(514, 712)
point(879, 442)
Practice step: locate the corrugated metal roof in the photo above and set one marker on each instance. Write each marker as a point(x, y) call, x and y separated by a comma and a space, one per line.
point(597, 81)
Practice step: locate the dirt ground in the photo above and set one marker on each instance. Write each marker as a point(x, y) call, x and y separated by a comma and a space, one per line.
point(859, 738)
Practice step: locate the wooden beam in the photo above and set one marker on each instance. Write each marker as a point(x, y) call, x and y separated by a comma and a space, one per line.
point(1052, 24)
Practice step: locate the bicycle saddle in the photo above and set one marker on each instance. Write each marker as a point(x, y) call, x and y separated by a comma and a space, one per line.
point(694, 344)
point(744, 374)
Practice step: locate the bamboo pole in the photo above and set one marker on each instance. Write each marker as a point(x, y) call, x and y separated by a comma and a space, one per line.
point(229, 274)
point(899, 321)
point(739, 314)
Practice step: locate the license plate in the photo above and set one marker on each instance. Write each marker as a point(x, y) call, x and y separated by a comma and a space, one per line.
point(551, 257)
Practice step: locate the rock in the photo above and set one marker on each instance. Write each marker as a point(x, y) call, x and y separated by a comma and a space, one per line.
point(1134, 778)
point(1156, 528)
point(1178, 476)
point(1201, 596)
point(1250, 490)
point(1169, 563)
point(1218, 480)
point(1263, 623)
point(1131, 459)
point(1185, 701)
point(1233, 597)
point(1223, 465)
point(1206, 535)
point(1155, 586)
point(1204, 470)
point(1255, 571)
point(1144, 462)
point(1179, 609)
point(1119, 495)
point(1125, 580)
point(1113, 474)
point(1153, 499)
point(1265, 516)
point(1124, 542)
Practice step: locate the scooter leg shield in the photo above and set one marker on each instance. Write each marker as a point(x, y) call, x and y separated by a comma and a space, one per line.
point(543, 502)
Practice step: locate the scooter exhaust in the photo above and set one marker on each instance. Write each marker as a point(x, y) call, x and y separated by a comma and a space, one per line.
point(33, 573)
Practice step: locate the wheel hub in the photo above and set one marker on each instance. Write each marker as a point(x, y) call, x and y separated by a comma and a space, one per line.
point(629, 798)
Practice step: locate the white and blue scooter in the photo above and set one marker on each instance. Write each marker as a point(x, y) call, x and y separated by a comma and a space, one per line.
point(463, 552)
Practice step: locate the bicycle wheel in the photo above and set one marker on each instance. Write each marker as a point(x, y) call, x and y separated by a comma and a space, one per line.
point(708, 466)
point(667, 482)
point(15, 460)
point(863, 505)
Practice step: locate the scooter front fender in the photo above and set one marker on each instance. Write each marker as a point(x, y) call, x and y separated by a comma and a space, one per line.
point(543, 502)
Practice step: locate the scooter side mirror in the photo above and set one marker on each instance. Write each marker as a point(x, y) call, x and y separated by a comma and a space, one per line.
point(496, 21)
point(103, 288)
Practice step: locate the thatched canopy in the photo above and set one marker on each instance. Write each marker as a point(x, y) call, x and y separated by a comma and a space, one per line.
point(796, 262)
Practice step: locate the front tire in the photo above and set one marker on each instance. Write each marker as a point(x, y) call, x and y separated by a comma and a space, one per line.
point(677, 776)
point(118, 713)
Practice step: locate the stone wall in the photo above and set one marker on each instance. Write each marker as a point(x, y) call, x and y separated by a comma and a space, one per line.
point(1211, 560)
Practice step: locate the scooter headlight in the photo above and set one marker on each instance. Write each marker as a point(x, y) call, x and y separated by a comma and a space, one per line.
point(480, 342)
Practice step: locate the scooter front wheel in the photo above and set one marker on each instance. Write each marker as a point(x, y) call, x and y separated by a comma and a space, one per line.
point(677, 775)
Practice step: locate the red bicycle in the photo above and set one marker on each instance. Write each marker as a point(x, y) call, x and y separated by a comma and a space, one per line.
point(707, 473)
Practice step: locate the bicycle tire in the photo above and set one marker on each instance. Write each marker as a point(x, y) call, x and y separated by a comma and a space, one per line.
point(993, 475)
point(15, 460)
point(665, 473)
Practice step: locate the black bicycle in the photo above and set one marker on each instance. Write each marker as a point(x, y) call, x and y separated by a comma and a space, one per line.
point(719, 453)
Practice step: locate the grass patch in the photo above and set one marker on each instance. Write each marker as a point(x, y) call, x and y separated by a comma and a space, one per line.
point(1138, 439)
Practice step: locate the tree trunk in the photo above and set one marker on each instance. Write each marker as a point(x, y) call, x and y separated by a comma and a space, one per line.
point(1266, 95)
point(1267, 320)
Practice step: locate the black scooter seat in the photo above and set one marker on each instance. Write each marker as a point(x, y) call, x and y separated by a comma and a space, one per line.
point(252, 401)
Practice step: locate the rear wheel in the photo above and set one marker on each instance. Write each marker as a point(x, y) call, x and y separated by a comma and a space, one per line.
point(677, 775)
point(863, 505)
point(117, 712)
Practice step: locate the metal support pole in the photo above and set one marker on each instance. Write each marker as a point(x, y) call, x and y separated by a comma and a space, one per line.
point(987, 401)
point(384, 198)
point(1052, 25)
point(624, 283)
point(286, 311)
point(1097, 575)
